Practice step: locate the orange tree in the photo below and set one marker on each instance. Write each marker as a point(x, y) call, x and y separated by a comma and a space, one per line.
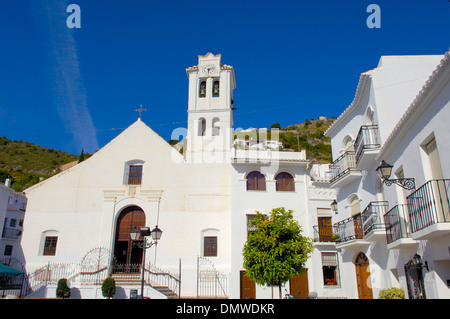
point(275, 250)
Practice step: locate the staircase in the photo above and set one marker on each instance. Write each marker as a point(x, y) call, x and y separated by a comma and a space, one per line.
point(135, 280)
point(167, 292)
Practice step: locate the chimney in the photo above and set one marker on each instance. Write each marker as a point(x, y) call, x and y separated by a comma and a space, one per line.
point(8, 182)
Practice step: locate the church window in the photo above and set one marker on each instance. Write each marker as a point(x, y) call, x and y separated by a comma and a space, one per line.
point(285, 182)
point(256, 181)
point(216, 89)
point(216, 127)
point(50, 245)
point(201, 126)
point(202, 91)
point(135, 175)
point(210, 246)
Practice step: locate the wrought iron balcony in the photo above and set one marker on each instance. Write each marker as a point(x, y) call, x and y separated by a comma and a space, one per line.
point(397, 226)
point(343, 166)
point(429, 205)
point(372, 217)
point(326, 234)
point(366, 142)
point(349, 229)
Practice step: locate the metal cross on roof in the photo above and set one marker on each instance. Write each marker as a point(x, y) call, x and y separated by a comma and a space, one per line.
point(140, 110)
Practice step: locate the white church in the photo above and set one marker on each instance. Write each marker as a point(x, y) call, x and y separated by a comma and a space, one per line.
point(78, 223)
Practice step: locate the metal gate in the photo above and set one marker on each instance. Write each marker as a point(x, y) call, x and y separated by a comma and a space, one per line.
point(210, 282)
point(414, 279)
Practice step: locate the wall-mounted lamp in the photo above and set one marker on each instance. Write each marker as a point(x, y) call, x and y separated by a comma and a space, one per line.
point(418, 262)
point(385, 170)
point(334, 206)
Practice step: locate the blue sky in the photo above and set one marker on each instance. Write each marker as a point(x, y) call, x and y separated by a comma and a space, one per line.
point(69, 88)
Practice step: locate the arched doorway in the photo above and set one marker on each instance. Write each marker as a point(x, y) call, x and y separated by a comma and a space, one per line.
point(363, 277)
point(124, 250)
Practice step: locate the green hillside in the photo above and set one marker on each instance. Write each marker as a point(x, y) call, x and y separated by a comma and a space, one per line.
point(26, 163)
point(308, 136)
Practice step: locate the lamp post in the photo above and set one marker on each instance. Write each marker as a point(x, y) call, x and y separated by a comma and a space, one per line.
point(385, 170)
point(145, 244)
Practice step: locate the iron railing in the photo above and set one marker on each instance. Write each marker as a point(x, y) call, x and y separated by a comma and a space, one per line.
point(342, 165)
point(396, 224)
point(81, 274)
point(211, 283)
point(325, 234)
point(349, 229)
point(429, 204)
point(371, 216)
point(366, 139)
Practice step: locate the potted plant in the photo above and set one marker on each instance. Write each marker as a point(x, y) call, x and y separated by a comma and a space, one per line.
point(62, 289)
point(109, 288)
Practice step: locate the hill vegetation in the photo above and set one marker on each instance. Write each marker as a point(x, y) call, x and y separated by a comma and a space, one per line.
point(26, 163)
point(308, 136)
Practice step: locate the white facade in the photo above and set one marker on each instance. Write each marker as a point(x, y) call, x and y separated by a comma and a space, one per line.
point(200, 200)
point(393, 118)
point(12, 212)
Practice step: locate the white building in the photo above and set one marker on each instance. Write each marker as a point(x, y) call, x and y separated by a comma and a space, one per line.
point(12, 212)
point(386, 230)
point(201, 201)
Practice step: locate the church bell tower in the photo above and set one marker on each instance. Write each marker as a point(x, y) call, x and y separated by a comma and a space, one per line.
point(210, 107)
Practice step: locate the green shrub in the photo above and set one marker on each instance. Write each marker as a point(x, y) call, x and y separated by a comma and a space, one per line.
point(109, 288)
point(392, 293)
point(62, 290)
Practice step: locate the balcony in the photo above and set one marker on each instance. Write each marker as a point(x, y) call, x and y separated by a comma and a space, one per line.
point(429, 211)
point(11, 233)
point(372, 221)
point(325, 234)
point(366, 146)
point(350, 232)
point(398, 229)
point(343, 170)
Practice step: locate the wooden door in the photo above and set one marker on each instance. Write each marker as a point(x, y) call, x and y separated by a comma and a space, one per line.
point(299, 285)
point(325, 229)
point(248, 287)
point(125, 252)
point(363, 277)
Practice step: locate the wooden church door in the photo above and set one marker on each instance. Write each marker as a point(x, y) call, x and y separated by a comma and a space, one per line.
point(124, 250)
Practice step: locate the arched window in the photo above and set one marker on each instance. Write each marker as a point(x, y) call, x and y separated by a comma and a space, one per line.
point(353, 203)
point(216, 89)
point(202, 90)
point(347, 144)
point(285, 182)
point(256, 181)
point(216, 126)
point(201, 126)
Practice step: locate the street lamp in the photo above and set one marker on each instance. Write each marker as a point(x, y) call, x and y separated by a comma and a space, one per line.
point(145, 244)
point(385, 171)
point(334, 206)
